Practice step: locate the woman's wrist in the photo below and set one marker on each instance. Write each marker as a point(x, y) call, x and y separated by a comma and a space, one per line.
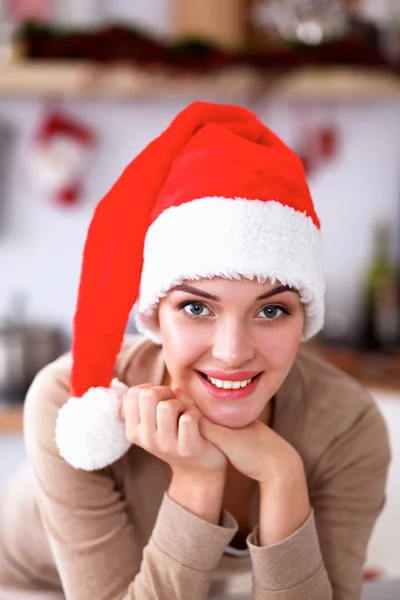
point(200, 492)
point(284, 504)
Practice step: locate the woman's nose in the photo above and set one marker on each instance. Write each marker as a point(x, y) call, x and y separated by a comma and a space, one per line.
point(232, 344)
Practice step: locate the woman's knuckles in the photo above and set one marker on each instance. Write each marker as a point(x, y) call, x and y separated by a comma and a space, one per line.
point(189, 419)
point(169, 428)
point(158, 393)
point(147, 391)
point(130, 399)
point(134, 391)
point(186, 453)
point(170, 406)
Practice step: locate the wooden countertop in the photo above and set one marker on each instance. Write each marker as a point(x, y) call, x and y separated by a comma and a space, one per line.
point(373, 370)
point(378, 371)
point(11, 416)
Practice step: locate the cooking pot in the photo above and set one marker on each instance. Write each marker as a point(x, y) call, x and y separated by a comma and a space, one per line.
point(24, 350)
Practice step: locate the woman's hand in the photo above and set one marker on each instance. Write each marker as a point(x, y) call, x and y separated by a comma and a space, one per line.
point(261, 454)
point(168, 427)
point(255, 450)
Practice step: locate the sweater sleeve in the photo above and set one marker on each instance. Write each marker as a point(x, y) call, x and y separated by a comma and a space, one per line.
point(91, 534)
point(183, 563)
point(324, 558)
point(292, 569)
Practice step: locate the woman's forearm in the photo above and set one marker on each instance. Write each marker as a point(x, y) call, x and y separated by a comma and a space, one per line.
point(284, 504)
point(200, 493)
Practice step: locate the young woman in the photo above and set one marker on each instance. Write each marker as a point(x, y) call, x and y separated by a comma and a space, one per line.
point(221, 457)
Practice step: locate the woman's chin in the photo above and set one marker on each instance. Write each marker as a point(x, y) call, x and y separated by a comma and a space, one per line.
point(232, 419)
point(231, 423)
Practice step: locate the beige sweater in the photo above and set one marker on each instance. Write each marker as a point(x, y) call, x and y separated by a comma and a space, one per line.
point(115, 534)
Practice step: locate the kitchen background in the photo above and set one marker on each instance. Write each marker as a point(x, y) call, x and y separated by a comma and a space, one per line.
point(86, 84)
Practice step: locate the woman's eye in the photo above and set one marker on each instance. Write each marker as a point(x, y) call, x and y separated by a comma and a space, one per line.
point(272, 312)
point(196, 309)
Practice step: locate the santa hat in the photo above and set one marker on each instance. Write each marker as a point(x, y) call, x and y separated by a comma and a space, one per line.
point(216, 194)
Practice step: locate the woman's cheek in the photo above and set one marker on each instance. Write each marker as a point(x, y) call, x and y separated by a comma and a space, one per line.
point(279, 346)
point(183, 346)
point(184, 342)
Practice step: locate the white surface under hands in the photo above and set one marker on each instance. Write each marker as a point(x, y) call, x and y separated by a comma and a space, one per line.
point(384, 545)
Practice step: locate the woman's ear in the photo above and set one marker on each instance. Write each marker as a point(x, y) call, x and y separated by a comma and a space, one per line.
point(157, 319)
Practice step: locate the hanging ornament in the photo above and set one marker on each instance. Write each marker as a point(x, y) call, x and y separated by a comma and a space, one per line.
point(58, 157)
point(316, 143)
point(29, 9)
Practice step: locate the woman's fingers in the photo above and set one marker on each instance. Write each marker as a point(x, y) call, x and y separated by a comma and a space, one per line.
point(130, 408)
point(188, 434)
point(130, 397)
point(189, 440)
point(208, 429)
point(140, 406)
point(221, 437)
point(165, 422)
point(147, 403)
point(168, 414)
point(182, 396)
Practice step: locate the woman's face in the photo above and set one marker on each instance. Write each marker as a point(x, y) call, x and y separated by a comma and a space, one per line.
point(230, 344)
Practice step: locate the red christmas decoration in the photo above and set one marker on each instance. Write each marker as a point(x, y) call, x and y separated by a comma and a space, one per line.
point(58, 156)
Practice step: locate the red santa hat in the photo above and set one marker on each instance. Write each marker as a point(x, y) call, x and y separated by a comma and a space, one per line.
point(216, 194)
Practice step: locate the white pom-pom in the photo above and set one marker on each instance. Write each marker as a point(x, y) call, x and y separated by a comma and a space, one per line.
point(90, 433)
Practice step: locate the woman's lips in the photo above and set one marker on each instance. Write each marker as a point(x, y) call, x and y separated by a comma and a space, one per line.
point(238, 376)
point(230, 394)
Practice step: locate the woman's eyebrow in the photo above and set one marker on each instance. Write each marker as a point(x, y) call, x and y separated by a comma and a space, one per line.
point(195, 292)
point(192, 290)
point(275, 291)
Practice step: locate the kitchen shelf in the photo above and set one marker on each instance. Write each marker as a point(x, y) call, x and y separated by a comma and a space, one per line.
point(86, 79)
point(337, 84)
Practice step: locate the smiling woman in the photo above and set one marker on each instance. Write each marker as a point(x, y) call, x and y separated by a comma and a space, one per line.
point(210, 453)
point(226, 347)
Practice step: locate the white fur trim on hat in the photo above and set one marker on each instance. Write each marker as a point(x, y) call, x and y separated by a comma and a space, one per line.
point(232, 238)
point(90, 433)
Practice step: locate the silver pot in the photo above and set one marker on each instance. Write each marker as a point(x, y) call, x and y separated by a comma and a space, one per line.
point(24, 350)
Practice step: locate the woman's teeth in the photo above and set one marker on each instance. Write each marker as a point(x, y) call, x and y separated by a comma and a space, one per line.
point(228, 385)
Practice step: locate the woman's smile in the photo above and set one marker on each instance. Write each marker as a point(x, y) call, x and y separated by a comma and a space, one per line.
point(232, 387)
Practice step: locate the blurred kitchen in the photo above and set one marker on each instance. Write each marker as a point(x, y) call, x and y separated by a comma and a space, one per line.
point(86, 84)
